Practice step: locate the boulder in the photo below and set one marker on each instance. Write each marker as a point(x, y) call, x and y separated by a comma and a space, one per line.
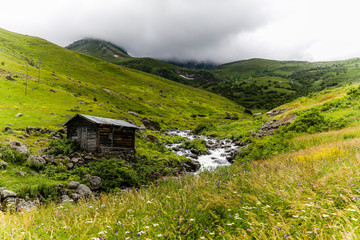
point(19, 147)
point(23, 205)
point(3, 164)
point(73, 185)
point(270, 127)
point(95, 181)
point(84, 191)
point(228, 115)
point(65, 198)
point(191, 166)
point(8, 204)
point(8, 130)
point(7, 194)
point(151, 138)
point(151, 125)
point(21, 174)
point(75, 196)
point(275, 112)
point(36, 160)
point(19, 115)
point(257, 114)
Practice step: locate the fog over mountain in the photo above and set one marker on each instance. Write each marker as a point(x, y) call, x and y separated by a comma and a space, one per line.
point(215, 30)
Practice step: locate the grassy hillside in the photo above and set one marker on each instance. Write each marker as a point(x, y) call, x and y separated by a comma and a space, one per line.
point(81, 83)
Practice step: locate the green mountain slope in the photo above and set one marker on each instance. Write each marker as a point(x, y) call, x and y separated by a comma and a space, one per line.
point(71, 82)
point(254, 83)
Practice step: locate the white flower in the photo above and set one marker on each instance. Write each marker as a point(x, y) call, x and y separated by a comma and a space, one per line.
point(229, 224)
point(155, 224)
point(149, 202)
point(102, 233)
point(354, 219)
point(350, 209)
point(147, 227)
point(325, 215)
point(159, 235)
point(191, 219)
point(295, 216)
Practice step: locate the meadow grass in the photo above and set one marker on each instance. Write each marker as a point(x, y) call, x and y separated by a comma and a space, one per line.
point(307, 194)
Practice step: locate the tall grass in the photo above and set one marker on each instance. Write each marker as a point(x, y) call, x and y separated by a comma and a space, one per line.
point(308, 194)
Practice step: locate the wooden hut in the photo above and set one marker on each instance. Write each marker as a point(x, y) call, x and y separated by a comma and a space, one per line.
point(103, 135)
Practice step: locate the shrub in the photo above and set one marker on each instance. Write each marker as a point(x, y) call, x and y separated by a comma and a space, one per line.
point(311, 121)
point(114, 173)
point(203, 127)
point(62, 146)
point(197, 144)
point(46, 190)
point(12, 156)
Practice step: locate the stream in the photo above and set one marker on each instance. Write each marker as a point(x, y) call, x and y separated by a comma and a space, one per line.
point(221, 151)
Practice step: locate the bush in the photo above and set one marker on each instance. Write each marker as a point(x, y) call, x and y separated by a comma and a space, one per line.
point(114, 173)
point(197, 144)
point(12, 156)
point(46, 190)
point(203, 127)
point(311, 121)
point(63, 146)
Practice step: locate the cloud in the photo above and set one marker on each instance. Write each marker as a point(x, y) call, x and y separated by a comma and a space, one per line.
point(217, 30)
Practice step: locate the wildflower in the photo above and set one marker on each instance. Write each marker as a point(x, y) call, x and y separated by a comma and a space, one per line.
point(155, 224)
point(295, 216)
point(352, 210)
point(230, 224)
point(149, 202)
point(212, 233)
point(325, 215)
point(102, 233)
point(354, 219)
point(90, 221)
point(159, 235)
point(191, 219)
point(147, 227)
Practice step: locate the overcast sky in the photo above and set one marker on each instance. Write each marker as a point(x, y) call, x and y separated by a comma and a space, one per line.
point(216, 30)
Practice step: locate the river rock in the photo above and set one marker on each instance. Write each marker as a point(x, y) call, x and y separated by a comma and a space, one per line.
point(19, 147)
point(191, 166)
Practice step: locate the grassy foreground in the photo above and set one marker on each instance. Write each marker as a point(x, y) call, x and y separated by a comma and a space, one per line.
point(306, 194)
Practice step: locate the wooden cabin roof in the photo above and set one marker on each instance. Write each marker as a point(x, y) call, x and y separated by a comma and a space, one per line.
point(101, 121)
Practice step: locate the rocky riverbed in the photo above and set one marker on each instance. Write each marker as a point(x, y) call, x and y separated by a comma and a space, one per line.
point(221, 152)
